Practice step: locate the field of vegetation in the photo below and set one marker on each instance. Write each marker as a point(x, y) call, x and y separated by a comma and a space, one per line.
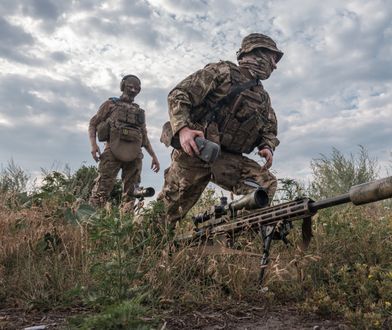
point(104, 270)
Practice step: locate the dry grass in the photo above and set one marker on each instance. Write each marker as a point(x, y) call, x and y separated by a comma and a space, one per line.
point(48, 260)
point(41, 258)
point(346, 271)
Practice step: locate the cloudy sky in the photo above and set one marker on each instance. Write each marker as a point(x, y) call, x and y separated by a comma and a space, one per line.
point(59, 60)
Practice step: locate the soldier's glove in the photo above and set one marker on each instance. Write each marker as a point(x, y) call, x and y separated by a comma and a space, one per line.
point(209, 151)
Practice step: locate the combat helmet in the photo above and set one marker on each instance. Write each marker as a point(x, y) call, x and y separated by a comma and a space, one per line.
point(258, 40)
point(129, 76)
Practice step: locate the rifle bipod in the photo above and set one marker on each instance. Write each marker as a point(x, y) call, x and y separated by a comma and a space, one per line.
point(269, 233)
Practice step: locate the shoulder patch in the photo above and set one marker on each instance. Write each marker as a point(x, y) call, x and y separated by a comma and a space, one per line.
point(114, 99)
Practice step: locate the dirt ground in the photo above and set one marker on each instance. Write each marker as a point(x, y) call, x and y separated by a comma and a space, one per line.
point(14, 318)
point(251, 317)
point(233, 318)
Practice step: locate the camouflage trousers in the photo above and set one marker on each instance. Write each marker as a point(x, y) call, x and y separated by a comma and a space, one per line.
point(187, 177)
point(108, 169)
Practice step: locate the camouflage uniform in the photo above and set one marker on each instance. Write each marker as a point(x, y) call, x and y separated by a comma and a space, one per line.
point(190, 104)
point(109, 165)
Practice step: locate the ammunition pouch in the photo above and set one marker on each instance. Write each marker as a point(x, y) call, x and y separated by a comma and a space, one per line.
point(140, 118)
point(125, 142)
point(130, 134)
point(103, 131)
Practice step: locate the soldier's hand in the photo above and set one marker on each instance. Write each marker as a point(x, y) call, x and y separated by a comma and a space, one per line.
point(187, 140)
point(155, 166)
point(267, 154)
point(95, 152)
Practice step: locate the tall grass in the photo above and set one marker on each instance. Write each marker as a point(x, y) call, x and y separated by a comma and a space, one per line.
point(56, 251)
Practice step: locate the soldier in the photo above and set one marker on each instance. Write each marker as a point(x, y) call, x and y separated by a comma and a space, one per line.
point(225, 103)
point(121, 124)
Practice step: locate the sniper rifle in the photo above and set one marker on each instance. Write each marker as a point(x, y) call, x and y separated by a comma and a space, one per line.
point(274, 222)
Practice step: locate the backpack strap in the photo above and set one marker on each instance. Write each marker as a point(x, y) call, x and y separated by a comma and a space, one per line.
point(114, 100)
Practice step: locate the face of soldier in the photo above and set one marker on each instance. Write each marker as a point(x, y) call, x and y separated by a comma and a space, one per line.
point(273, 58)
point(131, 88)
point(260, 63)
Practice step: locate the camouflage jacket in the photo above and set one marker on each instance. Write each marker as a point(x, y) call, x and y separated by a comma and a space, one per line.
point(103, 114)
point(205, 88)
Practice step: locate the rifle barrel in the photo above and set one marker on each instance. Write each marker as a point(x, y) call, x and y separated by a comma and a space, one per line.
point(328, 202)
point(364, 193)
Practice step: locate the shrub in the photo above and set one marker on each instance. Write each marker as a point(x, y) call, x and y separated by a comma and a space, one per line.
point(13, 179)
point(336, 174)
point(125, 315)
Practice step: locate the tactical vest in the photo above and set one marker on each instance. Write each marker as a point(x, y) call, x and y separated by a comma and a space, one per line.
point(240, 122)
point(126, 123)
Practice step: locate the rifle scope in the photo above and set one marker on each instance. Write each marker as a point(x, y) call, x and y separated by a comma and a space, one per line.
point(255, 200)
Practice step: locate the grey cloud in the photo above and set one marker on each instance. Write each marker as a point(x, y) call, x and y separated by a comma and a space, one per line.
point(138, 8)
point(47, 12)
point(34, 148)
point(186, 6)
point(88, 5)
point(146, 34)
point(141, 31)
point(42, 9)
point(111, 27)
point(32, 144)
point(353, 53)
point(16, 98)
point(20, 97)
point(158, 95)
point(294, 154)
point(13, 36)
point(60, 56)
point(8, 7)
point(20, 55)
point(189, 32)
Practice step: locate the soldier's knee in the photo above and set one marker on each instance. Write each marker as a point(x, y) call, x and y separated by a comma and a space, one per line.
point(272, 185)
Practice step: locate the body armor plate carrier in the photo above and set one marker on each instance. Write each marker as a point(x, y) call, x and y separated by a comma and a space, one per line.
point(240, 121)
point(126, 138)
